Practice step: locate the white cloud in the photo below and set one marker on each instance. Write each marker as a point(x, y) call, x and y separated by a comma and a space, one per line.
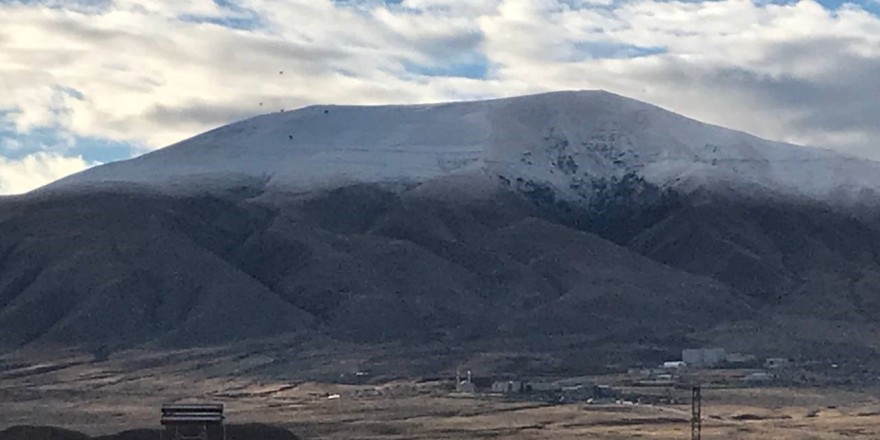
point(136, 72)
point(35, 170)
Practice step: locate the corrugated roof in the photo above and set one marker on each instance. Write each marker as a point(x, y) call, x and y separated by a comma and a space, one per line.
point(192, 413)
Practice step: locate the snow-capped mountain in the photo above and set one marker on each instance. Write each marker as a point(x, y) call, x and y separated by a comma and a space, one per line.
point(564, 140)
point(429, 247)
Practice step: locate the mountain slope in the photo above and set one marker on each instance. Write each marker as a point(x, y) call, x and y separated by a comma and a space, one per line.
point(200, 270)
point(121, 269)
point(797, 256)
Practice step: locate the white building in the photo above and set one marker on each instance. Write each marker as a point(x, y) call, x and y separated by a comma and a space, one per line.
point(673, 365)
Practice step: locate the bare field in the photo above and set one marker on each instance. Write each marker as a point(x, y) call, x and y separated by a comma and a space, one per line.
point(110, 396)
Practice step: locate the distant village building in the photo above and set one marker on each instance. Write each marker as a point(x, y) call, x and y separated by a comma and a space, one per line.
point(507, 386)
point(741, 360)
point(543, 386)
point(193, 421)
point(583, 392)
point(465, 386)
point(673, 365)
point(704, 357)
point(776, 363)
point(606, 392)
point(758, 377)
point(658, 378)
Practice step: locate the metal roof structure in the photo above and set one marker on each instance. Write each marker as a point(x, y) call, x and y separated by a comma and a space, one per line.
point(192, 413)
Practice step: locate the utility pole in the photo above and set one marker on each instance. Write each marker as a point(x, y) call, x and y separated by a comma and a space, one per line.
point(696, 417)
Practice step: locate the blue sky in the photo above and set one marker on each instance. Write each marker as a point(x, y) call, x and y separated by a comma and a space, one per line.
point(93, 81)
point(867, 5)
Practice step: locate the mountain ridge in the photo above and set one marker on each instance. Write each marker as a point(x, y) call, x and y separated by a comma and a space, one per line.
point(564, 140)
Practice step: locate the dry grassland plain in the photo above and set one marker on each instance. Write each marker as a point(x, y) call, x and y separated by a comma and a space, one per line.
point(113, 395)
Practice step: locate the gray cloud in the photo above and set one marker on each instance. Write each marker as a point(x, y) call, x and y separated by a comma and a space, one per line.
point(835, 101)
point(833, 108)
point(445, 47)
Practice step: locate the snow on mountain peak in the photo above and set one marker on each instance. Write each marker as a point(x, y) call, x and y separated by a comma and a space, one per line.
point(565, 140)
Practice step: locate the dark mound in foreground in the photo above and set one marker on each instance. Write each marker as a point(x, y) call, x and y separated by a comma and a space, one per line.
point(134, 434)
point(40, 433)
point(249, 431)
point(254, 431)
